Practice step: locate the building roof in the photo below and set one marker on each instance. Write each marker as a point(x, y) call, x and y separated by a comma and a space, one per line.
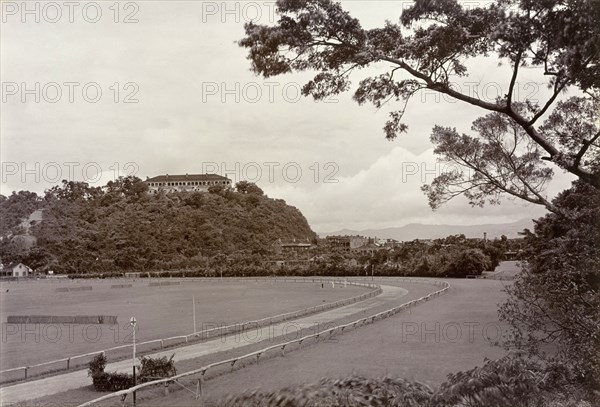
point(296, 244)
point(187, 177)
point(344, 236)
point(12, 265)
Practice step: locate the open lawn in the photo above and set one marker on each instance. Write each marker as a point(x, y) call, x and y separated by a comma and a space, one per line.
point(235, 346)
point(453, 332)
point(160, 311)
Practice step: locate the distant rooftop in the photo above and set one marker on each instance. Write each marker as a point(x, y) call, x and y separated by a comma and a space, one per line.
point(187, 177)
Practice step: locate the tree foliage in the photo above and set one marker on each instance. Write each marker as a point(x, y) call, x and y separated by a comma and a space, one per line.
point(122, 228)
point(508, 382)
point(150, 369)
point(468, 262)
point(428, 48)
point(453, 256)
point(556, 299)
point(553, 305)
point(245, 187)
point(489, 164)
point(156, 368)
point(15, 208)
point(354, 391)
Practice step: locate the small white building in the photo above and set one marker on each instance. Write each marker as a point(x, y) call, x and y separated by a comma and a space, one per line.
point(16, 270)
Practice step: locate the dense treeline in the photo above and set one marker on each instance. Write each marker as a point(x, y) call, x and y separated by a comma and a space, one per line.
point(15, 208)
point(121, 227)
point(453, 256)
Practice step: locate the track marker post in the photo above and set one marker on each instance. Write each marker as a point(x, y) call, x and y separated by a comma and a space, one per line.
point(133, 323)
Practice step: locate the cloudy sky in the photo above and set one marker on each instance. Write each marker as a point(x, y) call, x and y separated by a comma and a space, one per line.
point(94, 90)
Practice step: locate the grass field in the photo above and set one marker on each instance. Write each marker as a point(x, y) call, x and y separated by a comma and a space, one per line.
point(376, 304)
point(453, 332)
point(160, 311)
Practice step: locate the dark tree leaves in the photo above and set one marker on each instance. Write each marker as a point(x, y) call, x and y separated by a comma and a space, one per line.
point(561, 38)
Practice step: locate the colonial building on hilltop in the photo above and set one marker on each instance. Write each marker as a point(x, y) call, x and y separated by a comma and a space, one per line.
point(185, 183)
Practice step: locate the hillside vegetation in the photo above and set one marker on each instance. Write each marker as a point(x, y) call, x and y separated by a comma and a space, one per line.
point(120, 227)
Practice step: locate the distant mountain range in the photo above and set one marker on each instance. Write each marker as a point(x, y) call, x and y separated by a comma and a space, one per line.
point(421, 231)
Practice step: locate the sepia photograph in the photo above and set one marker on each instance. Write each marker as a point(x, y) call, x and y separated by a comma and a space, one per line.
point(300, 203)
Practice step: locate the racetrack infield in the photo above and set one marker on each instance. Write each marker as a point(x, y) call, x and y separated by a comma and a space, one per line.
point(160, 311)
point(409, 344)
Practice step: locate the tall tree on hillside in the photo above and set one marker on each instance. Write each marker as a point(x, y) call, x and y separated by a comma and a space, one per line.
point(130, 186)
point(246, 187)
point(73, 191)
point(15, 208)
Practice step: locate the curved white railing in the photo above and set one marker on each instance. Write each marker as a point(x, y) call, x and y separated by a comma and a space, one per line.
point(256, 354)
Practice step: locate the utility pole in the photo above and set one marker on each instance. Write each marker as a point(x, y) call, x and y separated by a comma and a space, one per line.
point(194, 312)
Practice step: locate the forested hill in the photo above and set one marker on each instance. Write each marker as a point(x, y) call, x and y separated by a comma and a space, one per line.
point(121, 227)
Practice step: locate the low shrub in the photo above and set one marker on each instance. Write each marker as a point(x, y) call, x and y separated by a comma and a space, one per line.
point(103, 381)
point(151, 369)
point(355, 391)
point(512, 381)
point(156, 368)
point(112, 381)
point(97, 365)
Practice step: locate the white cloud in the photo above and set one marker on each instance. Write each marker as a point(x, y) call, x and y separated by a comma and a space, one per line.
point(387, 193)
